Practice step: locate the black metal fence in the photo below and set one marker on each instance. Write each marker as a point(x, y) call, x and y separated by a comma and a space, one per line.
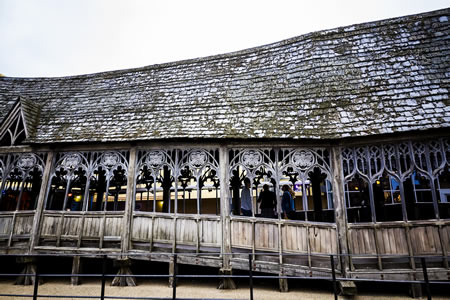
point(175, 276)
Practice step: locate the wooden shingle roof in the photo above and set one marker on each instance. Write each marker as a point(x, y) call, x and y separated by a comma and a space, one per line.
point(374, 78)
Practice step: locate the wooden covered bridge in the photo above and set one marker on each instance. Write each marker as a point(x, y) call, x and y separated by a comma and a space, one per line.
point(152, 160)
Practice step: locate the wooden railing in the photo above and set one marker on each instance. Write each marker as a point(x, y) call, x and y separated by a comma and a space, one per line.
point(414, 238)
point(311, 241)
point(159, 232)
point(16, 228)
point(291, 247)
point(81, 229)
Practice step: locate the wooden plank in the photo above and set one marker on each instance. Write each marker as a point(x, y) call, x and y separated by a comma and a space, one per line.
point(13, 225)
point(71, 225)
point(198, 235)
point(266, 236)
point(210, 232)
point(151, 233)
point(112, 226)
point(129, 202)
point(163, 230)
point(425, 240)
point(23, 224)
point(50, 225)
point(339, 208)
point(141, 228)
point(309, 246)
point(5, 224)
point(59, 230)
point(226, 228)
point(446, 238)
point(139, 231)
point(41, 200)
point(186, 231)
point(241, 233)
point(101, 231)
point(354, 239)
point(91, 226)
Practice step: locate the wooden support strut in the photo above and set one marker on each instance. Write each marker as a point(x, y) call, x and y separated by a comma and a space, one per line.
point(41, 200)
point(124, 263)
point(124, 269)
point(226, 283)
point(76, 269)
point(128, 214)
point(339, 208)
point(30, 268)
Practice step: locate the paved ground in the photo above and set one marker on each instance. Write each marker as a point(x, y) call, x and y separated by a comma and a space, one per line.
point(201, 289)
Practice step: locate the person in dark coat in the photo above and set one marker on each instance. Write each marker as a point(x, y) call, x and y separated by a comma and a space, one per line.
point(268, 202)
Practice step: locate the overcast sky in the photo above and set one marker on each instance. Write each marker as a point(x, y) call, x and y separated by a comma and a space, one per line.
point(70, 37)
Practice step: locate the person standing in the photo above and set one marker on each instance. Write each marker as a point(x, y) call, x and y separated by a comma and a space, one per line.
point(287, 202)
point(246, 199)
point(268, 202)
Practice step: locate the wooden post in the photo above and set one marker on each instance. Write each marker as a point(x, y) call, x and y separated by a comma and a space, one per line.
point(128, 214)
point(41, 200)
point(171, 271)
point(124, 262)
point(124, 265)
point(339, 207)
point(76, 269)
point(415, 290)
point(347, 287)
point(283, 283)
point(29, 267)
point(226, 283)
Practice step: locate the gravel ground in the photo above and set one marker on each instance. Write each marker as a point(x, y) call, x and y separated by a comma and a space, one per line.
point(197, 289)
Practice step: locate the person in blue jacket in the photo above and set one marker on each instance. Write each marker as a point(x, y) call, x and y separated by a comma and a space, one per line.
point(287, 202)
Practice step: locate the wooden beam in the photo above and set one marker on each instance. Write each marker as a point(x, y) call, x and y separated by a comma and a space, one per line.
point(227, 283)
point(41, 201)
point(339, 207)
point(128, 215)
point(76, 269)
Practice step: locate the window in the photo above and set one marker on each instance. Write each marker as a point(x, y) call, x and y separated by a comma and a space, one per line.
point(182, 181)
point(21, 181)
point(93, 181)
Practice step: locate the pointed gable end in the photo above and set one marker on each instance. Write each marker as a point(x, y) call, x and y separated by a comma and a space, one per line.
point(20, 123)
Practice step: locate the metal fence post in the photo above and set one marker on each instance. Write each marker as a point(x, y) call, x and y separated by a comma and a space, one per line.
point(425, 277)
point(174, 281)
point(102, 295)
point(250, 275)
point(333, 274)
point(36, 282)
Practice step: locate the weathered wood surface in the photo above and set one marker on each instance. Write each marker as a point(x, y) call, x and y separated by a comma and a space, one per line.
point(266, 237)
point(41, 200)
point(5, 224)
point(339, 207)
point(16, 222)
point(392, 239)
point(241, 234)
point(86, 225)
point(23, 223)
point(16, 228)
point(295, 236)
point(393, 243)
point(362, 241)
point(188, 230)
point(425, 240)
point(323, 240)
point(446, 238)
